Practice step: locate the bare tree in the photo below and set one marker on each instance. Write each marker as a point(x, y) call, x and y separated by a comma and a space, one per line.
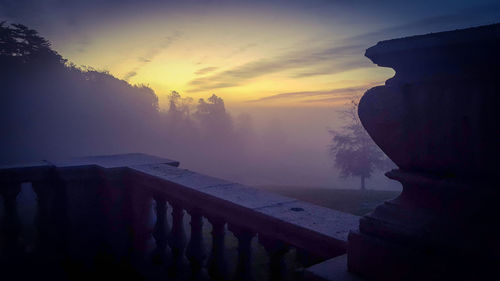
point(353, 151)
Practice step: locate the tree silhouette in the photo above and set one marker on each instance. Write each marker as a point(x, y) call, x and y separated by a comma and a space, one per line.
point(173, 99)
point(213, 118)
point(19, 44)
point(44, 100)
point(352, 149)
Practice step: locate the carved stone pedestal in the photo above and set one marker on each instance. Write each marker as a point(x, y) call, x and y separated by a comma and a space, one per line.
point(437, 119)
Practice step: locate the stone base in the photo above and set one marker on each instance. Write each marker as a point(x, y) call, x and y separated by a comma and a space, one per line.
point(435, 230)
point(380, 260)
point(334, 269)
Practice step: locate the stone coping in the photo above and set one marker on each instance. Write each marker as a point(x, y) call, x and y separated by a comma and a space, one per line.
point(113, 161)
point(438, 39)
point(103, 161)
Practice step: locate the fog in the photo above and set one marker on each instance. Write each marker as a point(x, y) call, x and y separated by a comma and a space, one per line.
point(50, 109)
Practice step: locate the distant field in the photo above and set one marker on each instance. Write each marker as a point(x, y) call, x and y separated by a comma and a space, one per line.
point(357, 202)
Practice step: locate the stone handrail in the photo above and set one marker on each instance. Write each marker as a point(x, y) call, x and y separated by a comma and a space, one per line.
point(87, 204)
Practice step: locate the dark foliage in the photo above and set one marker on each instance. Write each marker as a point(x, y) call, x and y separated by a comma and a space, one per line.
point(51, 108)
point(21, 45)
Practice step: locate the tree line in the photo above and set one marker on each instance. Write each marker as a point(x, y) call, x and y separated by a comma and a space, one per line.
point(50, 108)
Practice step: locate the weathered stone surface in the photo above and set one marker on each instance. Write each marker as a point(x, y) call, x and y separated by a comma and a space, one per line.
point(221, 189)
point(32, 164)
point(113, 161)
point(248, 197)
point(322, 220)
point(182, 177)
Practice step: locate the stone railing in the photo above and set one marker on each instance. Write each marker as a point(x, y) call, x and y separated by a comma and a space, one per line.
point(94, 216)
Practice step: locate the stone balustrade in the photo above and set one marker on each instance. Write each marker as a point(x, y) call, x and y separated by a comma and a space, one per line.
point(109, 216)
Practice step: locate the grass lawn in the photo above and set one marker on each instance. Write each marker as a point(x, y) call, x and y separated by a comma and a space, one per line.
point(357, 202)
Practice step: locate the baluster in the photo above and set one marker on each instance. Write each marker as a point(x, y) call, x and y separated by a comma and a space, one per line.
point(244, 267)
point(143, 230)
point(42, 218)
point(276, 250)
point(59, 217)
point(126, 223)
point(107, 200)
point(51, 223)
point(137, 211)
point(12, 224)
point(161, 230)
point(217, 260)
point(196, 251)
point(95, 221)
point(177, 241)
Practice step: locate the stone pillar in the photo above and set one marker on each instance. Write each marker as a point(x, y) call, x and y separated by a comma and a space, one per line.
point(160, 230)
point(217, 261)
point(10, 223)
point(437, 119)
point(177, 241)
point(276, 251)
point(244, 265)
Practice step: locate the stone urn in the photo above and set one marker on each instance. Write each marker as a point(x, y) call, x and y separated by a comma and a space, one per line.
point(438, 120)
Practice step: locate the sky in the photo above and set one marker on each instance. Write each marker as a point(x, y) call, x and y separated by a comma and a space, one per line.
point(251, 53)
point(290, 65)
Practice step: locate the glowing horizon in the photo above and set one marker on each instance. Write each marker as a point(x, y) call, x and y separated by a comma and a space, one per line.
point(198, 59)
point(267, 53)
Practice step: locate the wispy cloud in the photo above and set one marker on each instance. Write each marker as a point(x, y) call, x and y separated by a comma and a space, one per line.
point(481, 14)
point(332, 99)
point(339, 93)
point(150, 54)
point(292, 60)
point(334, 67)
point(241, 49)
point(83, 43)
point(142, 59)
point(206, 70)
point(129, 75)
point(347, 56)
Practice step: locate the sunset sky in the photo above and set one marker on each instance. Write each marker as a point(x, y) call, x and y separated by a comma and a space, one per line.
point(251, 53)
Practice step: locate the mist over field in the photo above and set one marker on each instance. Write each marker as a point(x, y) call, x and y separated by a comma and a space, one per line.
point(255, 146)
point(281, 72)
point(51, 109)
point(249, 140)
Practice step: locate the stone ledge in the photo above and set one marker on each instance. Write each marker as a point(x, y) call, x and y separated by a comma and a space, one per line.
point(319, 219)
point(113, 161)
